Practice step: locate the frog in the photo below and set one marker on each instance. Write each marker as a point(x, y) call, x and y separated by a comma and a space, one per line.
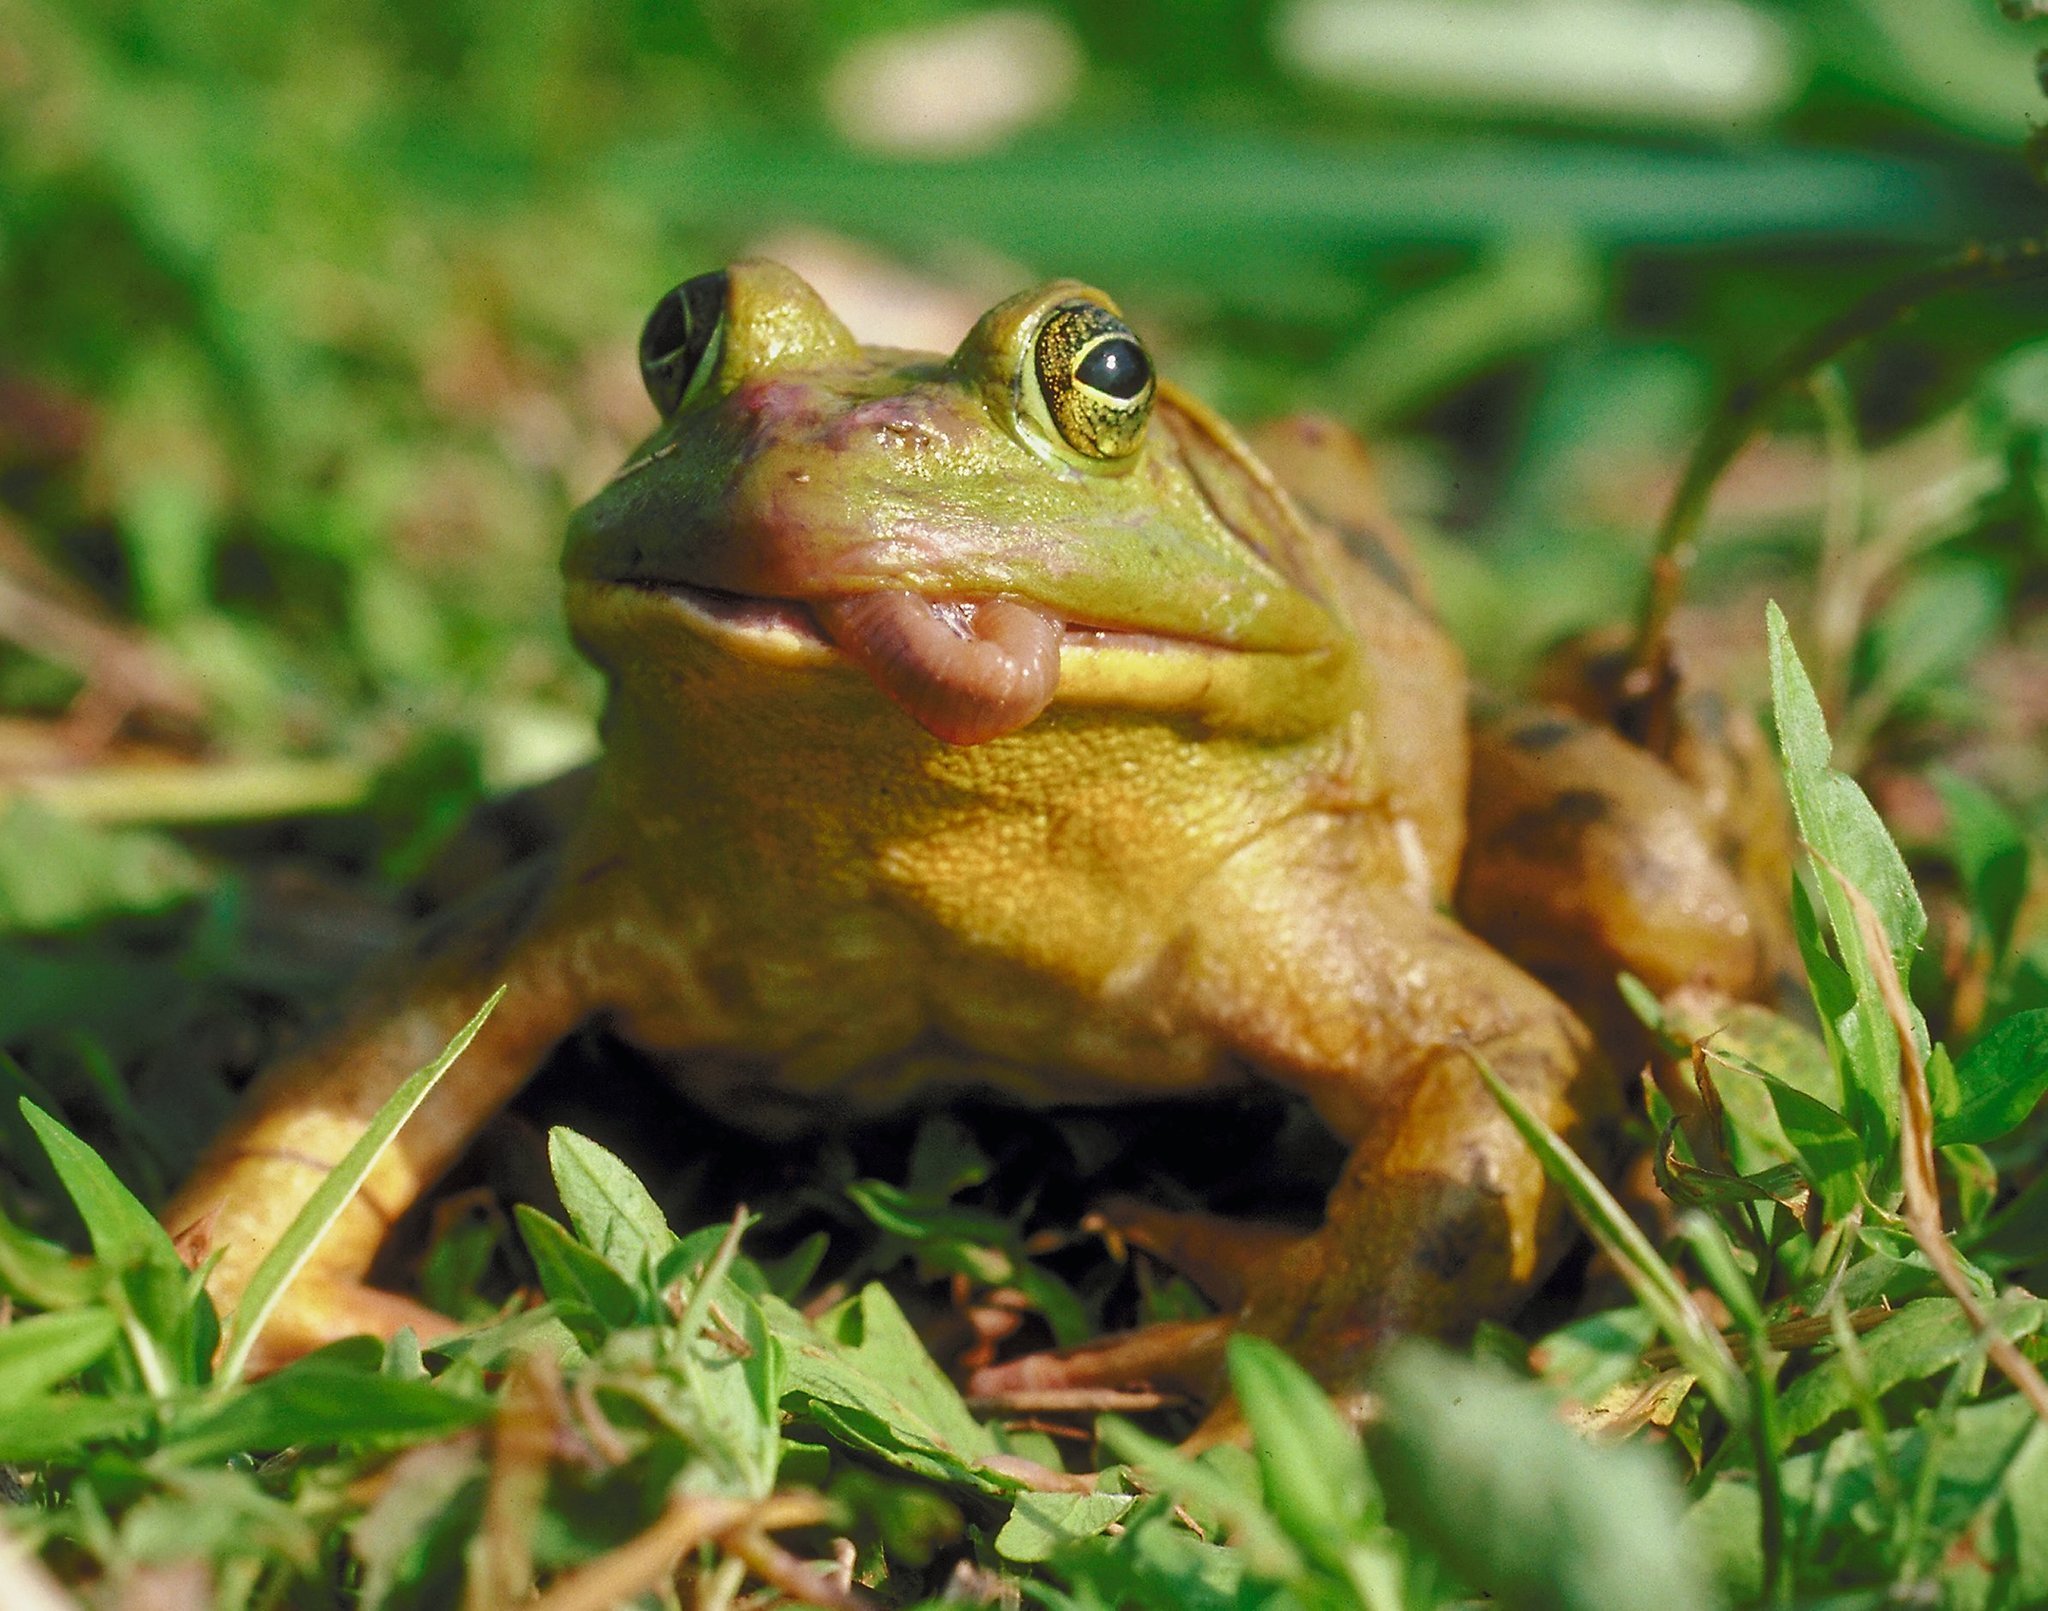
point(1005, 722)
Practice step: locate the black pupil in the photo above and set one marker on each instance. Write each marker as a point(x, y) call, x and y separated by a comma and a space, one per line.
point(1117, 367)
point(677, 333)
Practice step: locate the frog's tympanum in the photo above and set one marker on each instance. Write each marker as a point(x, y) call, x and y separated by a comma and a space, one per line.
point(999, 721)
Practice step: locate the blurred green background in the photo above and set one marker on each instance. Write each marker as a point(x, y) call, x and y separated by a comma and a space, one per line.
point(316, 318)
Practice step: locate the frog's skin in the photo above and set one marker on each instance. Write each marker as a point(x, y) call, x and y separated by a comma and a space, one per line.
point(972, 727)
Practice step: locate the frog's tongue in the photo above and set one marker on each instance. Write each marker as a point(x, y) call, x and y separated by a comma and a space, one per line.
point(966, 673)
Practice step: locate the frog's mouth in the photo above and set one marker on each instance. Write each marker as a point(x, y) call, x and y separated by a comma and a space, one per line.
point(965, 670)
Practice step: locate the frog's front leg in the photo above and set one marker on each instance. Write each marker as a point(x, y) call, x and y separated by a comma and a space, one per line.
point(296, 1122)
point(1442, 1216)
point(1375, 1009)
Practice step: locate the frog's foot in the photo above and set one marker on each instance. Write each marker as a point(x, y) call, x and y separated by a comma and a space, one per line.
point(1222, 1255)
point(319, 1311)
point(1172, 1355)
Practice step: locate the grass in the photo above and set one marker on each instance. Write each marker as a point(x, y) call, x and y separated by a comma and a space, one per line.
point(316, 320)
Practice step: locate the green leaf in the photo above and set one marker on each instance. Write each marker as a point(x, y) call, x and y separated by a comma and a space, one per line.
point(1828, 1492)
point(58, 874)
point(1944, 1090)
point(1478, 1466)
point(1926, 633)
point(410, 1539)
point(1690, 1186)
point(1585, 1359)
point(1838, 822)
point(613, 1213)
point(1041, 1525)
point(1206, 1484)
point(124, 1233)
point(283, 1262)
point(1830, 1152)
point(62, 1424)
point(1923, 1339)
point(1313, 1467)
point(864, 1374)
point(1990, 851)
point(319, 1400)
point(1656, 1286)
point(983, 1247)
point(42, 1273)
point(2023, 1519)
point(570, 1273)
point(2000, 1081)
point(38, 1353)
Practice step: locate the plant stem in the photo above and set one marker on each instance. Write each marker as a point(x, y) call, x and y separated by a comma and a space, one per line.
point(1745, 406)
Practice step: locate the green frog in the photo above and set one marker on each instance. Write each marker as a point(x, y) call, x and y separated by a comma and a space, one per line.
point(1001, 721)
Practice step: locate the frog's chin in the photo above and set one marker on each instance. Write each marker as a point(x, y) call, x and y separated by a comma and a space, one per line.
point(966, 670)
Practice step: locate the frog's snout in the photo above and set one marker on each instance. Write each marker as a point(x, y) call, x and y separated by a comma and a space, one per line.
point(965, 672)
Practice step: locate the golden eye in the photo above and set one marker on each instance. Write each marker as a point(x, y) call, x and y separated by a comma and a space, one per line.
point(1095, 379)
point(679, 343)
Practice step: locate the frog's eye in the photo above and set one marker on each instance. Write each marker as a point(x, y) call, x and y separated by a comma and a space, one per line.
point(679, 344)
point(1095, 379)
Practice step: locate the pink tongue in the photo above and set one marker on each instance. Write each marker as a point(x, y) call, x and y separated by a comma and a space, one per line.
point(966, 673)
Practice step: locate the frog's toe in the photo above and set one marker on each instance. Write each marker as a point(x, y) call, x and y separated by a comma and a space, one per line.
point(1183, 1356)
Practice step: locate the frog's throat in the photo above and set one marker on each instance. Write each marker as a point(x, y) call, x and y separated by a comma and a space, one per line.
point(964, 672)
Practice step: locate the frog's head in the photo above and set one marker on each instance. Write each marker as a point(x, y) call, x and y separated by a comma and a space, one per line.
point(1035, 518)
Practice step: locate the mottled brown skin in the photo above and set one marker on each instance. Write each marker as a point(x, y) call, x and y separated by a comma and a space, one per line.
point(1224, 851)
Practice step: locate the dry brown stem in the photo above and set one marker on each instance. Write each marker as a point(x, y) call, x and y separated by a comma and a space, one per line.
point(1916, 1149)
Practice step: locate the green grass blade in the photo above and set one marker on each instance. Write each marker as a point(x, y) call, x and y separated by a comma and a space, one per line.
point(123, 1232)
point(283, 1263)
point(1654, 1283)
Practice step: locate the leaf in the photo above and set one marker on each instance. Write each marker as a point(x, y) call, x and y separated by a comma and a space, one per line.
point(319, 1400)
point(124, 1233)
point(1656, 1287)
point(410, 1539)
point(1205, 1484)
point(1478, 1467)
point(570, 1273)
point(1991, 853)
point(1924, 1338)
point(2023, 1520)
point(62, 1424)
point(42, 1273)
point(58, 874)
point(1041, 1525)
point(1690, 1186)
point(1313, 1467)
point(38, 1353)
point(2000, 1080)
point(1592, 1355)
point(1842, 828)
point(613, 1213)
point(283, 1262)
point(1828, 1490)
point(1830, 1152)
point(866, 1377)
point(983, 1247)
point(1835, 816)
point(1749, 1037)
point(1927, 632)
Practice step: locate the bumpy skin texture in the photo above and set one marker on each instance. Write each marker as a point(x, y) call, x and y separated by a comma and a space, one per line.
point(1224, 851)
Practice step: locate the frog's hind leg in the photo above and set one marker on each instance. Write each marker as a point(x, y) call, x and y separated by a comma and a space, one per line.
point(1588, 857)
point(1174, 1356)
point(1222, 1255)
point(301, 1116)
